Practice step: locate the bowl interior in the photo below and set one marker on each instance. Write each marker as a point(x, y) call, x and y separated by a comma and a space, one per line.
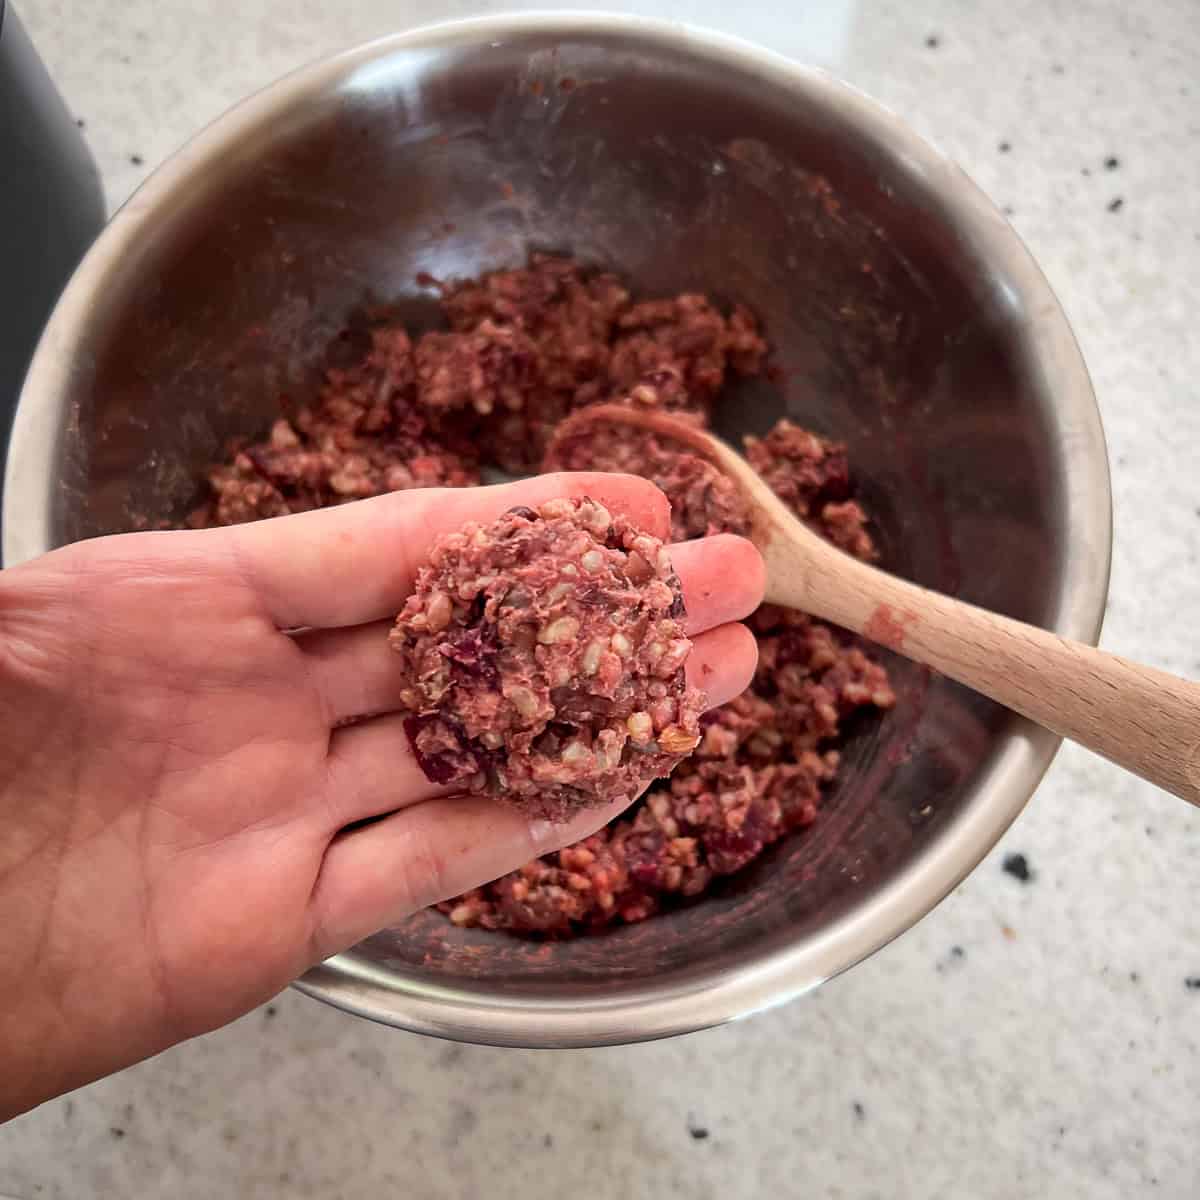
point(682, 170)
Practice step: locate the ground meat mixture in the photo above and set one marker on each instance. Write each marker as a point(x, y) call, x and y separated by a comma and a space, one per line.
point(522, 351)
point(530, 346)
point(703, 500)
point(364, 436)
point(812, 476)
point(543, 660)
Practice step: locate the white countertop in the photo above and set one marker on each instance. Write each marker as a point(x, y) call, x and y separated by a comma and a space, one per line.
point(1060, 1060)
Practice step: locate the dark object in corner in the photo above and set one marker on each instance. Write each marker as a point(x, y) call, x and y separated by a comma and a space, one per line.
point(1017, 865)
point(51, 205)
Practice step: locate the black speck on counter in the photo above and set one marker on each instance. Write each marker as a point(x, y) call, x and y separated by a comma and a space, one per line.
point(548, 1141)
point(451, 1055)
point(271, 1010)
point(1086, 171)
point(699, 1133)
point(1004, 147)
point(81, 122)
point(1017, 865)
point(1192, 983)
point(957, 952)
point(859, 1111)
point(117, 1132)
point(933, 41)
point(1134, 977)
point(136, 159)
point(1112, 162)
point(1116, 204)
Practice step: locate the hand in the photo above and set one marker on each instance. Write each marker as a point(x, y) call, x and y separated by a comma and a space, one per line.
point(177, 778)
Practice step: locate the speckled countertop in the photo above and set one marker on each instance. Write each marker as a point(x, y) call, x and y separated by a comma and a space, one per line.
point(1059, 1059)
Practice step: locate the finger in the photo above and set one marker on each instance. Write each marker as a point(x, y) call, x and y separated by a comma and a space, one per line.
point(355, 671)
point(377, 875)
point(722, 663)
point(358, 562)
point(371, 769)
point(723, 578)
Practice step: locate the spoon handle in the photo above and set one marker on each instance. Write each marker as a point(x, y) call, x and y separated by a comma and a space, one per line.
point(1143, 719)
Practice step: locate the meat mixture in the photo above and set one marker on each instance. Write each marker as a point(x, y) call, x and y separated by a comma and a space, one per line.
point(703, 500)
point(543, 660)
point(523, 350)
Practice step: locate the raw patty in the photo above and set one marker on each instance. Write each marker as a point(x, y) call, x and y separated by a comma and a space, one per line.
point(523, 350)
point(543, 660)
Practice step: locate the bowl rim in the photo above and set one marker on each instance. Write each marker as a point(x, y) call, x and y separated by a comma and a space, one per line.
point(647, 1009)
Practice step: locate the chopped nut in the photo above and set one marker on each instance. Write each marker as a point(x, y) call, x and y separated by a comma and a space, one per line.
point(523, 700)
point(438, 611)
point(591, 657)
point(640, 726)
point(576, 754)
point(561, 629)
point(675, 740)
point(637, 568)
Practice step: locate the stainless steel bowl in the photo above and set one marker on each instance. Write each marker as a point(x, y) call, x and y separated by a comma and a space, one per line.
point(909, 321)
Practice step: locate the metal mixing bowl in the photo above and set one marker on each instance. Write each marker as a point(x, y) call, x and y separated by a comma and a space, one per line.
point(909, 321)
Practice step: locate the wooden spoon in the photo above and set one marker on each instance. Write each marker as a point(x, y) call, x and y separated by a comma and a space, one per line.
point(1143, 719)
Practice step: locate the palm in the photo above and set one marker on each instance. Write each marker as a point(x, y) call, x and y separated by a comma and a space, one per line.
point(225, 742)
